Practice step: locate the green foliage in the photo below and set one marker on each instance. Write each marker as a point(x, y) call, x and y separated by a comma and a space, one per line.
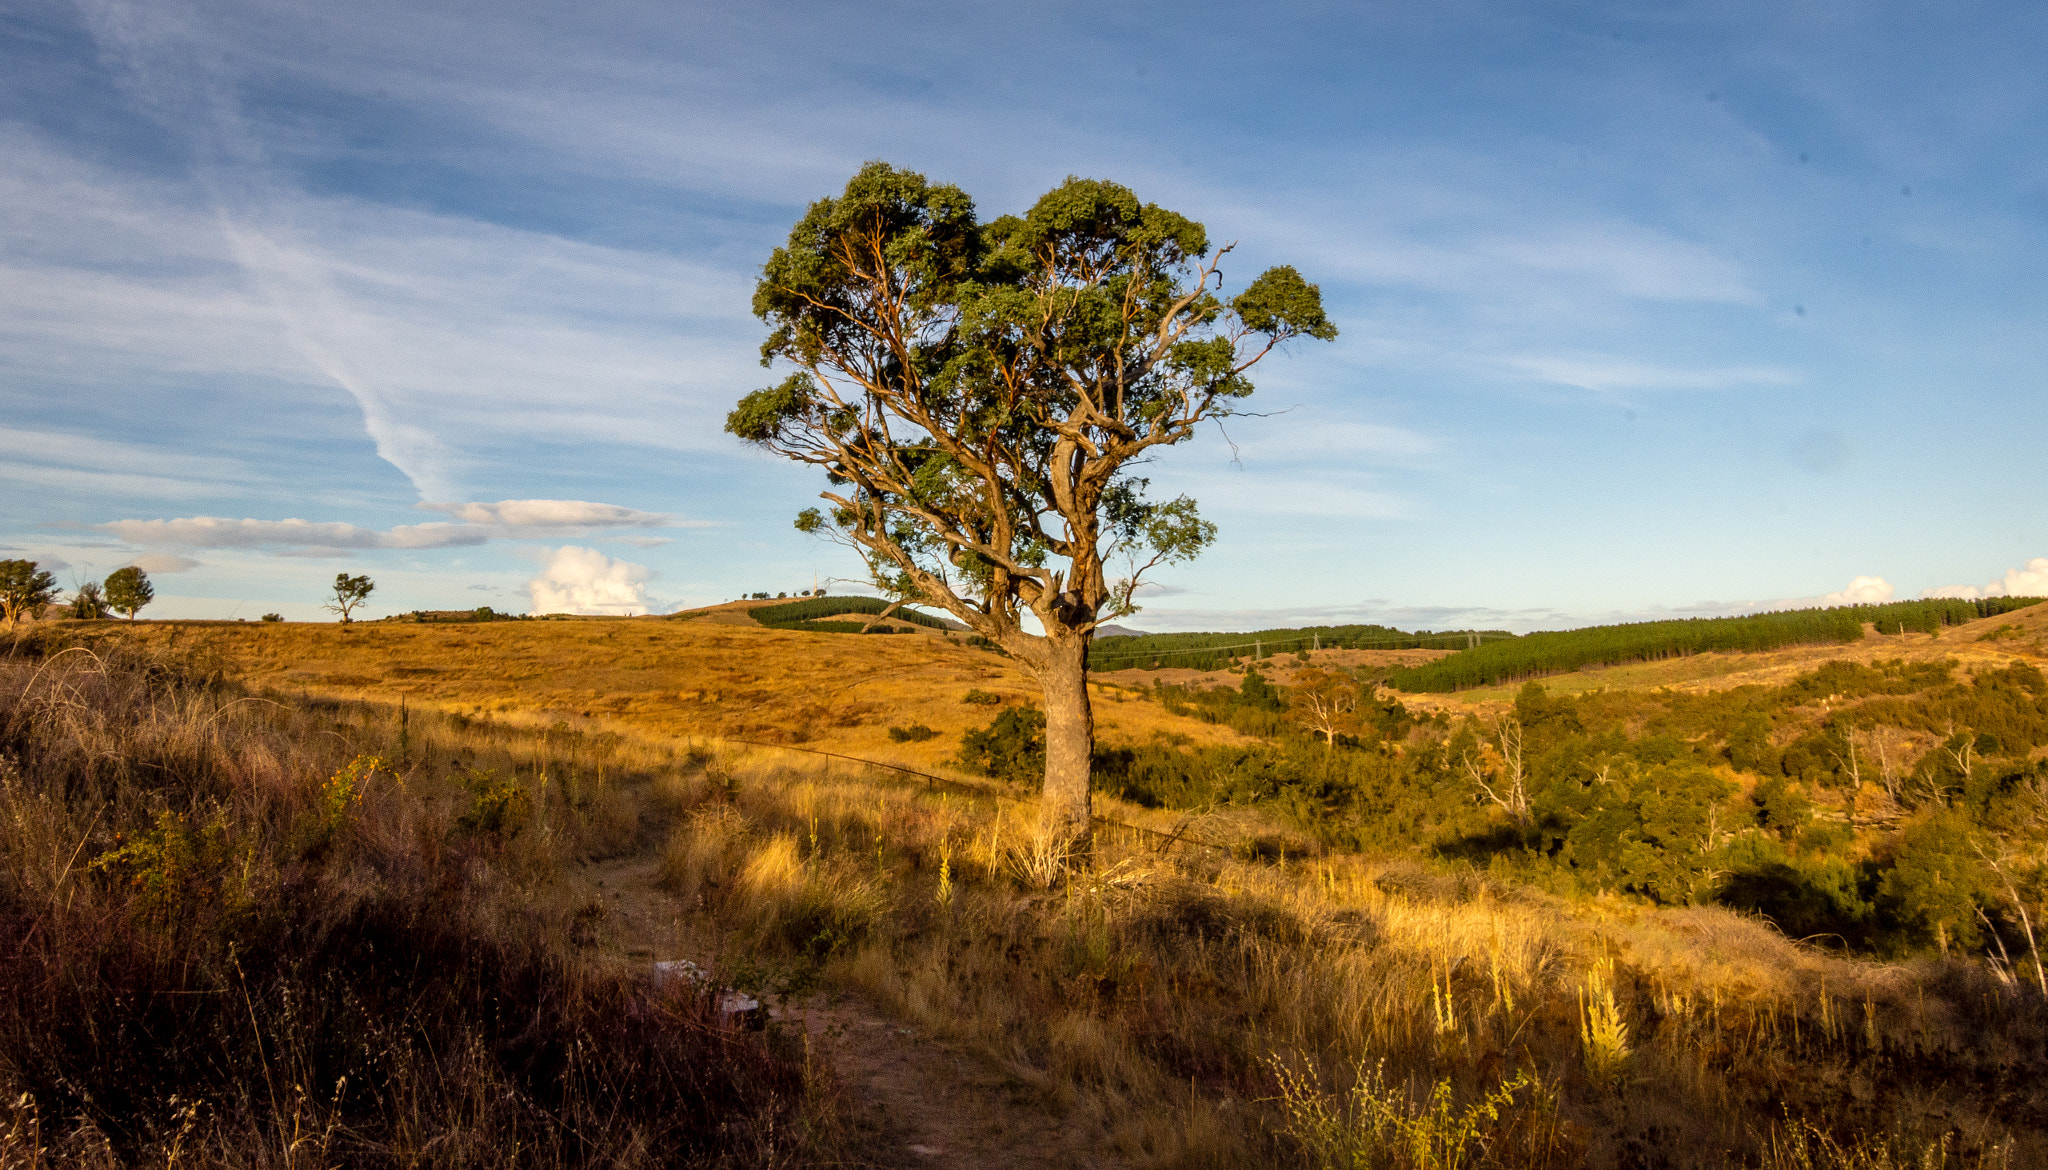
point(1936, 884)
point(803, 614)
point(977, 392)
point(342, 794)
point(349, 592)
point(980, 698)
point(1680, 797)
point(1650, 834)
point(273, 617)
point(1377, 1124)
point(915, 733)
point(1011, 748)
point(169, 865)
point(128, 590)
point(89, 603)
point(24, 589)
point(1554, 652)
point(498, 807)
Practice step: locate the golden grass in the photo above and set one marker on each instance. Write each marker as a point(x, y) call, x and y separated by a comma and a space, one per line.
point(657, 678)
point(235, 932)
point(1163, 1002)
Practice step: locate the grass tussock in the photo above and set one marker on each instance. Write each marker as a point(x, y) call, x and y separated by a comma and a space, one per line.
point(240, 932)
point(1194, 1008)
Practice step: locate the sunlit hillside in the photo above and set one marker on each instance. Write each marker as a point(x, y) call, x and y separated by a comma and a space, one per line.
point(1760, 910)
point(718, 674)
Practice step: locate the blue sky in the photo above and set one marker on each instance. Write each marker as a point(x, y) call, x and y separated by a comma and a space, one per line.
point(1647, 309)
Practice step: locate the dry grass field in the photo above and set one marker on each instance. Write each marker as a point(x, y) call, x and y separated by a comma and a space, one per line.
point(951, 1000)
point(716, 676)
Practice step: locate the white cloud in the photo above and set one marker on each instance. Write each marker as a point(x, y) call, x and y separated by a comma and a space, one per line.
point(2030, 581)
point(584, 580)
point(479, 522)
point(164, 563)
point(1860, 591)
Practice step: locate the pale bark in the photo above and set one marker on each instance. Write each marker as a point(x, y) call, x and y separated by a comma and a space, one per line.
point(1064, 810)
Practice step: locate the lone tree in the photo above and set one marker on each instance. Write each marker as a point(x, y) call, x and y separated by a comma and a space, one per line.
point(128, 590)
point(349, 592)
point(24, 589)
point(977, 395)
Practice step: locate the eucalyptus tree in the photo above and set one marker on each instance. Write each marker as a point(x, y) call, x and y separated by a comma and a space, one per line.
point(128, 590)
point(979, 394)
point(349, 592)
point(24, 589)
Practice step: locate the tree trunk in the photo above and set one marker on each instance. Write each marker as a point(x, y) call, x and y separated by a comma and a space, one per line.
point(1069, 744)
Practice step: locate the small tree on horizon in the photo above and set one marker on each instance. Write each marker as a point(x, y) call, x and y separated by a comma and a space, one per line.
point(128, 590)
point(977, 395)
point(89, 603)
point(349, 592)
point(24, 589)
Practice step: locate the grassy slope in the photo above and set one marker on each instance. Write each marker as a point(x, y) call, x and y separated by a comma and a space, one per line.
point(1147, 1004)
point(659, 677)
point(224, 945)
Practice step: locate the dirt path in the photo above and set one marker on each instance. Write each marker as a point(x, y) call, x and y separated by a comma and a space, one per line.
point(926, 1103)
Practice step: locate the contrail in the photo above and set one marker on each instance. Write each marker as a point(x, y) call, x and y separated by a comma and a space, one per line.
point(170, 66)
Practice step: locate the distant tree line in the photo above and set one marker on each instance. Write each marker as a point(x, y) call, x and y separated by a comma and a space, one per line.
point(1217, 651)
point(1535, 655)
point(801, 615)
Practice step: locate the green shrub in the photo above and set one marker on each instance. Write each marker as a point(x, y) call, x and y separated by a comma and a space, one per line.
point(497, 807)
point(1011, 748)
point(915, 733)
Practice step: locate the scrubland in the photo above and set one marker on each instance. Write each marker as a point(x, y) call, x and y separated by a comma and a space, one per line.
point(240, 932)
point(243, 944)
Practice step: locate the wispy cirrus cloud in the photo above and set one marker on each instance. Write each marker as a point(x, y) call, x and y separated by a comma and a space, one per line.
point(1615, 376)
point(477, 523)
point(74, 463)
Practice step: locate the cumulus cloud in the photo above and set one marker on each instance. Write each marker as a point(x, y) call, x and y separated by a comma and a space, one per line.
point(584, 580)
point(164, 563)
point(2031, 581)
point(1861, 591)
point(475, 524)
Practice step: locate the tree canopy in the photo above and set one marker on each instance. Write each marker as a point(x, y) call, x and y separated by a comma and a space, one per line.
point(128, 590)
point(24, 589)
point(349, 592)
point(978, 395)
